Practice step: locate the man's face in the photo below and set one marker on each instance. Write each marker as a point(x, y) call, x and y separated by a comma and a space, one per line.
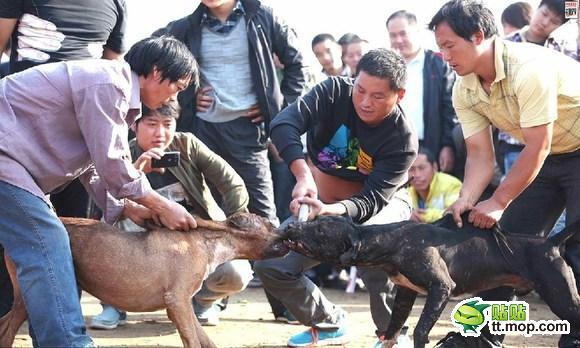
point(328, 54)
point(544, 22)
point(461, 54)
point(373, 98)
point(421, 173)
point(155, 132)
point(353, 53)
point(216, 3)
point(404, 37)
point(155, 92)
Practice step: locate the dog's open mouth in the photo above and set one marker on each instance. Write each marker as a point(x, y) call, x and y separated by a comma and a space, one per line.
point(296, 246)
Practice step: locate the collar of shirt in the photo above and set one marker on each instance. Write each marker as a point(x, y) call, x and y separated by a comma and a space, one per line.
point(471, 81)
point(217, 26)
point(135, 102)
point(419, 59)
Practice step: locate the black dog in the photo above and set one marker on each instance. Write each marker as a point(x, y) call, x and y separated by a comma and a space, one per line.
point(442, 260)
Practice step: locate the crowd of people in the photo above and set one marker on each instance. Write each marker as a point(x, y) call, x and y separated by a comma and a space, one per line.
point(486, 124)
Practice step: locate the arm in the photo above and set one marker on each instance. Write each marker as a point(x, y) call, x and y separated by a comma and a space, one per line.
point(115, 45)
point(285, 45)
point(7, 26)
point(217, 171)
point(448, 118)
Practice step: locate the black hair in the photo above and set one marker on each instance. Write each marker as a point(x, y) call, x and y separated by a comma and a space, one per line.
point(321, 38)
point(384, 64)
point(428, 153)
point(410, 17)
point(170, 56)
point(556, 6)
point(350, 38)
point(518, 14)
point(465, 17)
point(170, 109)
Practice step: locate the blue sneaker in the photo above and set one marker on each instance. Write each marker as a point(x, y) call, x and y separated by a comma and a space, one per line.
point(109, 319)
point(319, 338)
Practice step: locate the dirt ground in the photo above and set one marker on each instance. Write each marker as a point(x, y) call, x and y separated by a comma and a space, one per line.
point(248, 322)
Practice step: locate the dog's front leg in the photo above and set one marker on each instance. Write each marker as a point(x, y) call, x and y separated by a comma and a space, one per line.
point(404, 300)
point(437, 298)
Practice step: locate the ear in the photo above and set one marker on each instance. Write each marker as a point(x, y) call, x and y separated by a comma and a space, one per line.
point(400, 95)
point(478, 37)
point(243, 221)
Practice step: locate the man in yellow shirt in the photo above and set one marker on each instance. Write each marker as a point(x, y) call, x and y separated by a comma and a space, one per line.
point(533, 94)
point(431, 191)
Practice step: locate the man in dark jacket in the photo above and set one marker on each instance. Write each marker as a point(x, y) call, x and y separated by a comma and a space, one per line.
point(429, 83)
point(234, 41)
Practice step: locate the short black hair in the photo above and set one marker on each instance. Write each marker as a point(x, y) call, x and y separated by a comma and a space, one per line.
point(385, 64)
point(410, 17)
point(556, 6)
point(465, 17)
point(349, 38)
point(321, 38)
point(170, 56)
point(170, 109)
point(518, 14)
point(428, 153)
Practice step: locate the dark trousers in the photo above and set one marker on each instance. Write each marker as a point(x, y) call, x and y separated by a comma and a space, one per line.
point(537, 209)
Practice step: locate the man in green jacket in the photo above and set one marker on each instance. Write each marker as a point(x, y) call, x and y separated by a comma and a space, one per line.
point(186, 184)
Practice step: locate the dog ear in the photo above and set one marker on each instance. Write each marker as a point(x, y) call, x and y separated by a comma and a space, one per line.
point(244, 221)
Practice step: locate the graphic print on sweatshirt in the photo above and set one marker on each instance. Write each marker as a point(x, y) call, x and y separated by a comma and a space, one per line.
point(341, 152)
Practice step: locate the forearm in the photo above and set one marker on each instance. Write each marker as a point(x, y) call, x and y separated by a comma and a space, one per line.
point(153, 201)
point(524, 171)
point(478, 174)
point(300, 170)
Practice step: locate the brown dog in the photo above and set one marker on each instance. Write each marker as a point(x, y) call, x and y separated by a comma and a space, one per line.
point(149, 271)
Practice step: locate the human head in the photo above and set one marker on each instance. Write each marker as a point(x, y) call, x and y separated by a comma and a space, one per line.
point(165, 66)
point(423, 169)
point(548, 17)
point(463, 32)
point(516, 16)
point(328, 52)
point(404, 34)
point(211, 4)
point(353, 48)
point(379, 86)
point(156, 127)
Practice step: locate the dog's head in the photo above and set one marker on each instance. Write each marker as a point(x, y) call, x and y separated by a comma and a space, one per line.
point(332, 239)
point(256, 237)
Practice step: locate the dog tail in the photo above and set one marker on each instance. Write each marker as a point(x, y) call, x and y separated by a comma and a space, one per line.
point(562, 236)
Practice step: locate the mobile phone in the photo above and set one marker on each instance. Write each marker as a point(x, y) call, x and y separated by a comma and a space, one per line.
point(169, 159)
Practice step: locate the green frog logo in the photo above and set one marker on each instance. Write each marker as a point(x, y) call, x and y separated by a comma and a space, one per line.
point(468, 315)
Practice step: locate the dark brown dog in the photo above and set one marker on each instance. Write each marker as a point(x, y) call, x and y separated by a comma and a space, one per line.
point(149, 271)
point(441, 260)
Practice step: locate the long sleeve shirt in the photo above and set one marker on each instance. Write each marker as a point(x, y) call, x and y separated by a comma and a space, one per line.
point(63, 120)
point(341, 145)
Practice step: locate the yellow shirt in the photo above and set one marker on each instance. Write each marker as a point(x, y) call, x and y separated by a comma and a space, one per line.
point(443, 191)
point(533, 86)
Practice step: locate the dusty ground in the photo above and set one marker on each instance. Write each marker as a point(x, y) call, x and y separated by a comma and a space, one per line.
point(247, 322)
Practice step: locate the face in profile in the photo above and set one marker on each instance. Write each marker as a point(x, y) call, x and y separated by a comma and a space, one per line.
point(373, 98)
point(156, 91)
point(461, 54)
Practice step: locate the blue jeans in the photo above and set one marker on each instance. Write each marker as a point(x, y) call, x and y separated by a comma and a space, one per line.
point(37, 242)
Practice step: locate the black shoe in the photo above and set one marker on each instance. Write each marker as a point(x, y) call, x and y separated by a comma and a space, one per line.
point(456, 340)
point(569, 341)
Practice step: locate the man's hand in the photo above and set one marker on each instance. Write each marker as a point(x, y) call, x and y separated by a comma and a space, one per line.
point(254, 114)
point(446, 159)
point(305, 187)
point(317, 207)
point(204, 99)
point(138, 213)
point(143, 163)
point(175, 217)
point(418, 215)
point(487, 213)
point(37, 36)
point(460, 206)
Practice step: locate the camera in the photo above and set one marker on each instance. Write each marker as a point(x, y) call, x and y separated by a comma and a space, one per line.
point(169, 159)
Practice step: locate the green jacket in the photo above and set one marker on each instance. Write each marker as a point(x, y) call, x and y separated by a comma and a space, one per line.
point(198, 164)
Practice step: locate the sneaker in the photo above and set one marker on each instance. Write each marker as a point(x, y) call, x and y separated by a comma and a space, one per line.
point(456, 340)
point(109, 319)
point(287, 318)
point(207, 316)
point(403, 341)
point(318, 338)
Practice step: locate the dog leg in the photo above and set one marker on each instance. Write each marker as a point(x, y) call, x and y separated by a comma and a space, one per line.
point(404, 300)
point(181, 314)
point(555, 283)
point(11, 322)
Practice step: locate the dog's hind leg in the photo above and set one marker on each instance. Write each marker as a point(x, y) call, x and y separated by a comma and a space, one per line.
point(404, 300)
point(555, 283)
point(11, 322)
